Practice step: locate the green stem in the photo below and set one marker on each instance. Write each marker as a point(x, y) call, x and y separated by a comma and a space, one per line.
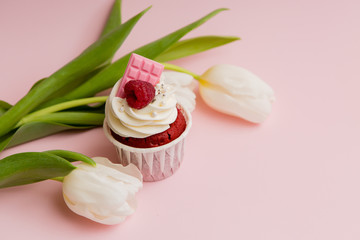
point(60, 107)
point(59, 179)
point(173, 67)
point(73, 118)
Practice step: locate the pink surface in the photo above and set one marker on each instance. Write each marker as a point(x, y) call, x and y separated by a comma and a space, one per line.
point(296, 176)
point(140, 68)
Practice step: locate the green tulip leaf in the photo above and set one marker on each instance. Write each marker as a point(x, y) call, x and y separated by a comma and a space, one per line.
point(4, 140)
point(99, 108)
point(192, 46)
point(73, 118)
point(60, 107)
point(37, 83)
point(95, 55)
point(113, 22)
point(114, 19)
point(36, 130)
point(72, 156)
point(4, 106)
point(108, 77)
point(31, 167)
point(56, 97)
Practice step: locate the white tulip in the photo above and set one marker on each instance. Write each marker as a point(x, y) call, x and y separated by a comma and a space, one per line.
point(236, 91)
point(104, 193)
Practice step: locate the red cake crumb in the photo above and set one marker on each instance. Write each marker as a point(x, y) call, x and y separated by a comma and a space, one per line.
point(159, 139)
point(139, 93)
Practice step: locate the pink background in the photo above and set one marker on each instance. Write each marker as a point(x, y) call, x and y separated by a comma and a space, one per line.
point(296, 176)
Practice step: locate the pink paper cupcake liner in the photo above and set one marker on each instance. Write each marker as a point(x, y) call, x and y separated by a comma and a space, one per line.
point(154, 163)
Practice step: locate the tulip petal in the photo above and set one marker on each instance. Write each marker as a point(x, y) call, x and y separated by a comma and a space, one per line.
point(237, 81)
point(104, 193)
point(237, 92)
point(184, 85)
point(251, 109)
point(130, 169)
point(180, 79)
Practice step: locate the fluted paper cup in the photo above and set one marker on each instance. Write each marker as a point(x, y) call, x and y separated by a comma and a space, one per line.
point(154, 163)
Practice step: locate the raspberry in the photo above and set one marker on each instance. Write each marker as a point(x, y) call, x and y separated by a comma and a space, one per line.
point(139, 93)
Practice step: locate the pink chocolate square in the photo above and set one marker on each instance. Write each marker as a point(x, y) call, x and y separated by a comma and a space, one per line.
point(140, 68)
point(147, 67)
point(135, 62)
point(157, 70)
point(132, 73)
point(142, 76)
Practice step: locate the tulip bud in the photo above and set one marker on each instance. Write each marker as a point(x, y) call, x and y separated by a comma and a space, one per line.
point(237, 92)
point(104, 193)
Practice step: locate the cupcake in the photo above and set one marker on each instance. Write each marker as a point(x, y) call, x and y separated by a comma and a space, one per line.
point(145, 122)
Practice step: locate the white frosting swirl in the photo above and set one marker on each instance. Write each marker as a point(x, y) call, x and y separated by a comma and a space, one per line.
point(152, 119)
